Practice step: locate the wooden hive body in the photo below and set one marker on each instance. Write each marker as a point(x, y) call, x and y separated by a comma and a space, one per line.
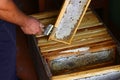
point(92, 47)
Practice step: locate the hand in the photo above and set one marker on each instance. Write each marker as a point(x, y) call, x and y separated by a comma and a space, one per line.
point(32, 26)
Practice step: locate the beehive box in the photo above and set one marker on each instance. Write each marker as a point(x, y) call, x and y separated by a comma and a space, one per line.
point(92, 47)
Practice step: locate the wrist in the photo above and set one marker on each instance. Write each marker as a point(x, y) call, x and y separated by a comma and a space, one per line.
point(24, 21)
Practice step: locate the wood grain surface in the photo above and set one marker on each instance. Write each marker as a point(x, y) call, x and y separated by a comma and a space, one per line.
point(78, 75)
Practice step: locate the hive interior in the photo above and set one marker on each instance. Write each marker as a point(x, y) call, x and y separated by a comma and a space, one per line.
point(92, 47)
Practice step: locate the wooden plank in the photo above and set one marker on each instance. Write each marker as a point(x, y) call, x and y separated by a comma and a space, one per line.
point(85, 74)
point(45, 15)
point(81, 8)
point(89, 20)
point(91, 49)
point(81, 34)
point(76, 43)
point(44, 42)
point(80, 37)
point(48, 21)
point(85, 48)
point(49, 14)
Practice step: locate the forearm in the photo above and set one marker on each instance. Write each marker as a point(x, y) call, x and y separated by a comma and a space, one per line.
point(9, 12)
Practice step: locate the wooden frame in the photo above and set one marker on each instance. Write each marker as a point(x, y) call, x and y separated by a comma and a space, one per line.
point(60, 17)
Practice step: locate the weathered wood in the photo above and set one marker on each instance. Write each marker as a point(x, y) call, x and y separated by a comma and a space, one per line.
point(89, 20)
point(48, 21)
point(67, 38)
point(72, 61)
point(87, 47)
point(81, 34)
point(89, 73)
point(91, 48)
point(45, 15)
point(44, 42)
point(77, 42)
